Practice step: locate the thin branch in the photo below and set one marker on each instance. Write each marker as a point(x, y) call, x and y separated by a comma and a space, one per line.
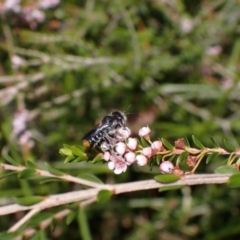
point(85, 195)
point(45, 173)
point(23, 220)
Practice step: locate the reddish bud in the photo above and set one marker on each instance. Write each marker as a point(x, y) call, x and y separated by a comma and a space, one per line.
point(177, 171)
point(192, 161)
point(180, 144)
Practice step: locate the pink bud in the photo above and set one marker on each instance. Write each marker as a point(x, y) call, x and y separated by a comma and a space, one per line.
point(145, 132)
point(166, 167)
point(157, 146)
point(130, 157)
point(106, 156)
point(132, 143)
point(147, 151)
point(120, 148)
point(141, 160)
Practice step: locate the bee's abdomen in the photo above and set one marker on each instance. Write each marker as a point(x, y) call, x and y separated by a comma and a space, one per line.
point(93, 140)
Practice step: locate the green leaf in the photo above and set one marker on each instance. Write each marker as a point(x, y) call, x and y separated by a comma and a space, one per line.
point(103, 196)
point(182, 156)
point(197, 142)
point(53, 170)
point(158, 159)
point(234, 181)
point(8, 236)
point(97, 159)
point(215, 144)
point(6, 174)
point(90, 177)
point(229, 145)
point(170, 188)
point(49, 180)
point(36, 236)
point(186, 141)
point(30, 200)
point(77, 151)
point(70, 158)
point(27, 173)
point(9, 159)
point(71, 217)
point(211, 156)
point(226, 170)
point(30, 164)
point(167, 144)
point(66, 146)
point(144, 142)
point(166, 178)
point(65, 151)
point(41, 216)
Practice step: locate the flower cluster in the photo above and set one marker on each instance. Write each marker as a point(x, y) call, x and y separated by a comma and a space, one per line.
point(32, 13)
point(127, 151)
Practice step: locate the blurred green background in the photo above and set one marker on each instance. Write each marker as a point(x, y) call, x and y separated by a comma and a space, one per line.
point(69, 63)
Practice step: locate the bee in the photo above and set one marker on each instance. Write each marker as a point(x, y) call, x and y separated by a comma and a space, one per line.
point(105, 134)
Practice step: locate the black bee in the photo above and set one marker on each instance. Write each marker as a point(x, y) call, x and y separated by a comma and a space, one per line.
point(104, 135)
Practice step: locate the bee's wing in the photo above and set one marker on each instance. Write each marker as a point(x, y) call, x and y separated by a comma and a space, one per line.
point(90, 133)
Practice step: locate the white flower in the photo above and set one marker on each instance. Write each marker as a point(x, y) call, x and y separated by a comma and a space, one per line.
point(123, 133)
point(120, 148)
point(118, 164)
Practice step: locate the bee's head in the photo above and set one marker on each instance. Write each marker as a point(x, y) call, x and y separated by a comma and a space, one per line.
point(120, 118)
point(115, 119)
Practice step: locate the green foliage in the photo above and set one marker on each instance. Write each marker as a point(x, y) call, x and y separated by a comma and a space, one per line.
point(166, 178)
point(175, 62)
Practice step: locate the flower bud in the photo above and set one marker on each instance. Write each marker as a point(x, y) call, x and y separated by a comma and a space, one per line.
point(157, 146)
point(166, 167)
point(106, 156)
point(118, 171)
point(147, 151)
point(192, 161)
point(123, 133)
point(177, 171)
point(180, 144)
point(111, 165)
point(120, 148)
point(145, 133)
point(132, 143)
point(130, 157)
point(141, 160)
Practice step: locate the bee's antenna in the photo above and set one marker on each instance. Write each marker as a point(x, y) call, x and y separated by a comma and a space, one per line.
point(127, 108)
point(137, 114)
